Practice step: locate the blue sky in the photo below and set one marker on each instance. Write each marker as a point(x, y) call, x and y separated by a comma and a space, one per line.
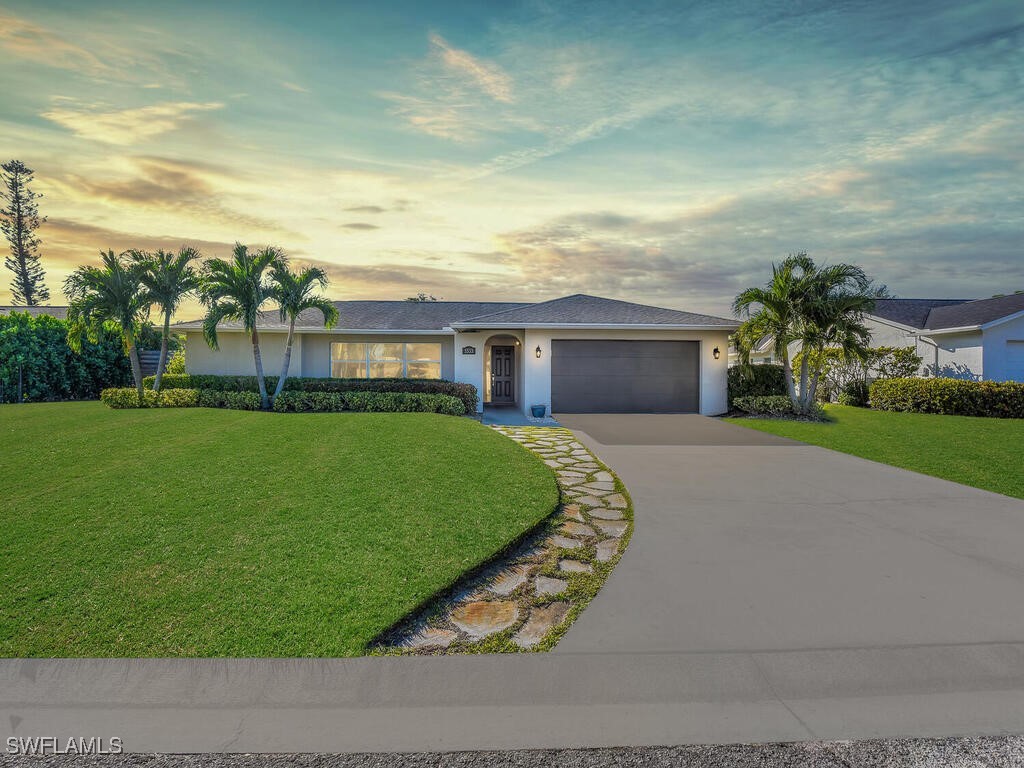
point(659, 152)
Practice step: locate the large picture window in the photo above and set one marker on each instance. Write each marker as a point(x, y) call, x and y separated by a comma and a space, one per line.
point(386, 360)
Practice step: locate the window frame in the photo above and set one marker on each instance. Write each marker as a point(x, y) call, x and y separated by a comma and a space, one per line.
point(368, 360)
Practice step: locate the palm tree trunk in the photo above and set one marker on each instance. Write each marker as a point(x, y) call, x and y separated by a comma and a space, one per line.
point(287, 357)
point(264, 400)
point(133, 357)
point(787, 370)
point(804, 403)
point(162, 363)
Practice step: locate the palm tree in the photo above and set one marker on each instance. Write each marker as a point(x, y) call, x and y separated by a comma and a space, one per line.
point(293, 291)
point(818, 307)
point(167, 279)
point(236, 290)
point(775, 318)
point(110, 293)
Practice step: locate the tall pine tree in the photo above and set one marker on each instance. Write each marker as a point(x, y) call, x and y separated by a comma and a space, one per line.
point(19, 220)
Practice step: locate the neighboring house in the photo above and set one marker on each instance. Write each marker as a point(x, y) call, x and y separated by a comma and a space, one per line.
point(578, 354)
point(61, 313)
point(977, 339)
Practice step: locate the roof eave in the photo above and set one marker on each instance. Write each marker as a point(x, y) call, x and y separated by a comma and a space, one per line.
point(599, 326)
point(347, 331)
point(944, 331)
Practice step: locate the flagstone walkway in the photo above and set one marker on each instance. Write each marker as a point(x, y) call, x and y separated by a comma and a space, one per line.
point(527, 598)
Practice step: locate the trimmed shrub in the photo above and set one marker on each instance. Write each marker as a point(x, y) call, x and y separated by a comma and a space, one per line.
point(465, 392)
point(755, 381)
point(128, 397)
point(178, 398)
point(854, 393)
point(237, 401)
point(175, 364)
point(952, 397)
point(765, 405)
point(383, 402)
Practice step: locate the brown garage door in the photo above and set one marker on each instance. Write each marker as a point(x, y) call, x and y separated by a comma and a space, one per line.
point(606, 376)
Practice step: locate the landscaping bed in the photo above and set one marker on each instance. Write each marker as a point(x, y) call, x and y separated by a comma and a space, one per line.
point(200, 532)
point(981, 452)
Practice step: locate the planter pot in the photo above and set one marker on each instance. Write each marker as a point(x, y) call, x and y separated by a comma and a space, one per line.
point(538, 411)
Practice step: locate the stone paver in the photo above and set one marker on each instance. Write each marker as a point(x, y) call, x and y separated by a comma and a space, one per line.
point(542, 620)
point(575, 566)
point(605, 550)
point(546, 585)
point(482, 618)
point(511, 595)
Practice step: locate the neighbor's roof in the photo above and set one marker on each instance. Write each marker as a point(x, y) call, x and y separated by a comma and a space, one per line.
point(974, 313)
point(61, 313)
point(581, 309)
point(912, 312)
point(438, 315)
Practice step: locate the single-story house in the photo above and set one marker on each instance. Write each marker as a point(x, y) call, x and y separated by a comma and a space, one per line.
point(577, 354)
point(61, 312)
point(977, 339)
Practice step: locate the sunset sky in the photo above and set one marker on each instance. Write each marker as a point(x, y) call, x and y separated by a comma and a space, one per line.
point(656, 152)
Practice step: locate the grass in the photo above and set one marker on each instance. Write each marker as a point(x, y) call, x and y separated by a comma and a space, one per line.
point(201, 532)
point(984, 453)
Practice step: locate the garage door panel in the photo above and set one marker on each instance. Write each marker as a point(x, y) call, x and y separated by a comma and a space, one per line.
point(617, 376)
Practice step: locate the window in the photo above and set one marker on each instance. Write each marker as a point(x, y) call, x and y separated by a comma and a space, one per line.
point(386, 360)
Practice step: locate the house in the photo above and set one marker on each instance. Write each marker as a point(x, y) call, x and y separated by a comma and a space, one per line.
point(61, 313)
point(980, 340)
point(577, 354)
point(977, 339)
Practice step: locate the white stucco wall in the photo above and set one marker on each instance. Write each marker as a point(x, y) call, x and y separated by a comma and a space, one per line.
point(713, 373)
point(1003, 346)
point(234, 357)
point(954, 355)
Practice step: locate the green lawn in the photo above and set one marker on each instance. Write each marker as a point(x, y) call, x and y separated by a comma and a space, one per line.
point(198, 532)
point(985, 453)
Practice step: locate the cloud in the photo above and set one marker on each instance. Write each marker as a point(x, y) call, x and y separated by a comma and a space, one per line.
point(160, 183)
point(294, 87)
point(487, 76)
point(126, 126)
point(30, 41)
point(366, 209)
point(359, 225)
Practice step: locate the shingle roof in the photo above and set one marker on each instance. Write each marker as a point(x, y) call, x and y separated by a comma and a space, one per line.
point(976, 312)
point(581, 309)
point(380, 315)
point(436, 315)
point(61, 313)
point(912, 312)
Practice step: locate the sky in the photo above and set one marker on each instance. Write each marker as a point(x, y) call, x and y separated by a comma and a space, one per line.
point(664, 153)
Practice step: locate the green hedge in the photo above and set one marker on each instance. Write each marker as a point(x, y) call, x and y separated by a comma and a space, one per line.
point(387, 402)
point(287, 402)
point(953, 397)
point(49, 369)
point(765, 405)
point(465, 392)
point(854, 393)
point(755, 381)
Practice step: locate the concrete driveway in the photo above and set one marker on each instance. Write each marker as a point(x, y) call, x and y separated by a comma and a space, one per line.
point(746, 542)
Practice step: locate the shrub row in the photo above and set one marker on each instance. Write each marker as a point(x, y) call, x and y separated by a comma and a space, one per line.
point(755, 381)
point(287, 402)
point(127, 397)
point(386, 402)
point(953, 397)
point(465, 392)
point(765, 405)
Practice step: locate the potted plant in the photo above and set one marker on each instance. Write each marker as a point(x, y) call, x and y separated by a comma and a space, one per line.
point(538, 411)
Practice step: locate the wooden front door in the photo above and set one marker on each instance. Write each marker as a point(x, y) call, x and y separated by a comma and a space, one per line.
point(503, 374)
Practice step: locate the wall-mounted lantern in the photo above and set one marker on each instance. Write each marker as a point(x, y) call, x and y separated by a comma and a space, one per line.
point(716, 353)
point(537, 352)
